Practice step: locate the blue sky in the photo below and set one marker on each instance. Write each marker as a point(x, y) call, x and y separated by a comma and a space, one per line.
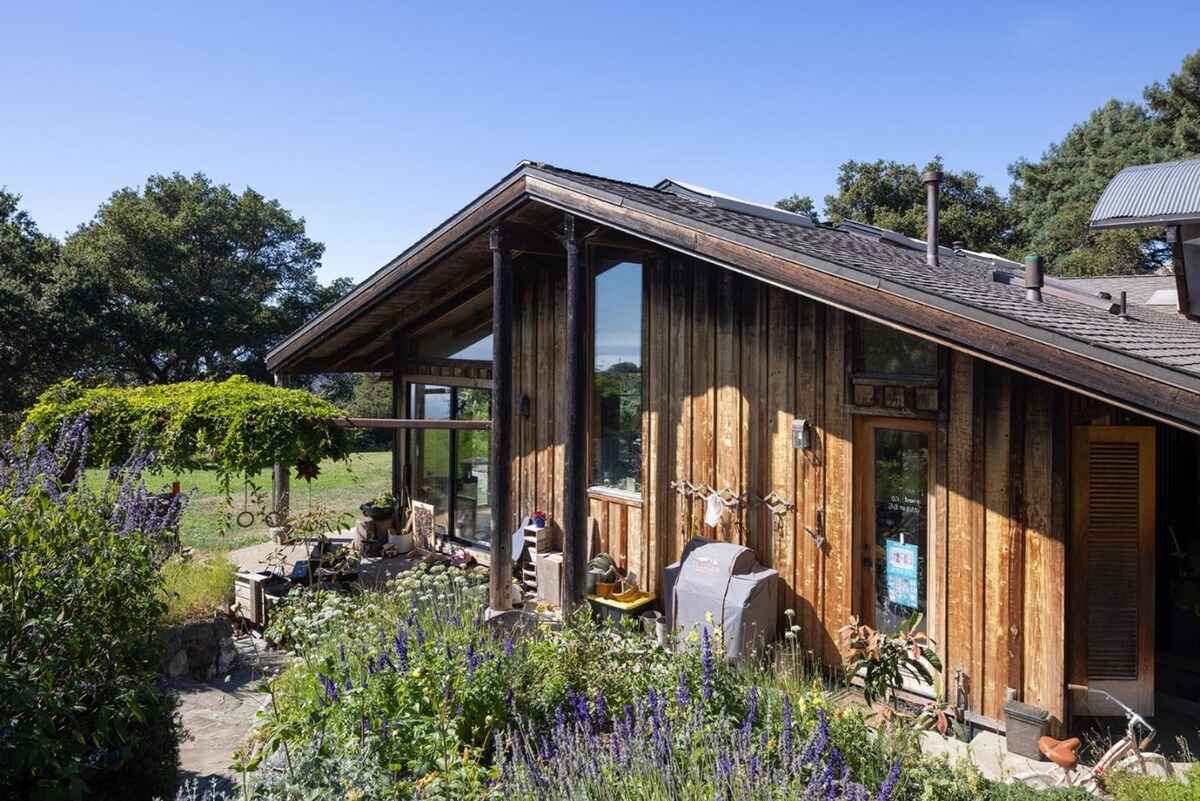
point(376, 121)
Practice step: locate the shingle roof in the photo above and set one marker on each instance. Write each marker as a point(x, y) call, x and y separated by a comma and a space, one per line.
point(1147, 336)
point(1138, 289)
point(1150, 193)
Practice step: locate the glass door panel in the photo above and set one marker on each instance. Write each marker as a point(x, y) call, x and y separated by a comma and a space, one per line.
point(895, 474)
point(431, 453)
point(472, 454)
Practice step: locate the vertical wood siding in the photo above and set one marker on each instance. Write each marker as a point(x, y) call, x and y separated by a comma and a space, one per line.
point(729, 365)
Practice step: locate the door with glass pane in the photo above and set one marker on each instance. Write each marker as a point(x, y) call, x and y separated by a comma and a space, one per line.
point(894, 486)
point(430, 453)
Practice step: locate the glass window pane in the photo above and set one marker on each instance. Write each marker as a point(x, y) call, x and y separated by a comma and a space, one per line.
point(885, 351)
point(481, 350)
point(617, 378)
point(431, 453)
point(901, 525)
point(472, 513)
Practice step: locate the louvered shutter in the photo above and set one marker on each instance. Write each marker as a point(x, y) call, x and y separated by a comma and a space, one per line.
point(1114, 478)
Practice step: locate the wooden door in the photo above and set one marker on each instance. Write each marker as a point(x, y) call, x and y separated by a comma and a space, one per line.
point(1112, 564)
point(894, 488)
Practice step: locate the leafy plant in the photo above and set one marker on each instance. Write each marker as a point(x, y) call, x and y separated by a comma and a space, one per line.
point(81, 599)
point(883, 660)
point(236, 426)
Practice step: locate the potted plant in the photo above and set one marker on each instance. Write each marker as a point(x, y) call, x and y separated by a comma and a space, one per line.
point(381, 507)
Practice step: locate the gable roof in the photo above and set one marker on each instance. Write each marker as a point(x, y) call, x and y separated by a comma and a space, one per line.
point(1149, 361)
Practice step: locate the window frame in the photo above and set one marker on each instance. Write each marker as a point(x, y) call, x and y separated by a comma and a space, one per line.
point(598, 255)
point(858, 375)
point(452, 457)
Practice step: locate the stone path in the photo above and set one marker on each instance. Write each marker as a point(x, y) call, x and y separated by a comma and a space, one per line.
point(218, 714)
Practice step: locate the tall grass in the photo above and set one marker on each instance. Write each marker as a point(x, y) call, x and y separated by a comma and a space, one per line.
point(196, 587)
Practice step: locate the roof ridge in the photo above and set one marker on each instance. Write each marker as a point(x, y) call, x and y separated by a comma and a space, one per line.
point(545, 165)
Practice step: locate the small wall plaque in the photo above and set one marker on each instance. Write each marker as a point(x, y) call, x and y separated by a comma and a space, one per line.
point(800, 434)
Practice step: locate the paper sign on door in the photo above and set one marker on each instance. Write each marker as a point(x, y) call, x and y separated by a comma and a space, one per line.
point(902, 574)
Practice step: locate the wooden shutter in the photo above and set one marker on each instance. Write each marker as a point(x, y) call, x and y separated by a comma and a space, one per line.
point(1113, 544)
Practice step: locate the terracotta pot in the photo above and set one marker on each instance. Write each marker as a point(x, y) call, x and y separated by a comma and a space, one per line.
point(605, 588)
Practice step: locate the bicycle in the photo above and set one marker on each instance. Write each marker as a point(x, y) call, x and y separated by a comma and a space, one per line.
point(1126, 755)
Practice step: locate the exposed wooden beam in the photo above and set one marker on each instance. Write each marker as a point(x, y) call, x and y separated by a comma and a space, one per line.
point(399, 438)
point(392, 424)
point(575, 501)
point(500, 485)
point(522, 238)
point(369, 342)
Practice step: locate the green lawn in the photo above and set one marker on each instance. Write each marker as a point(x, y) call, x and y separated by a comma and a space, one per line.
point(208, 526)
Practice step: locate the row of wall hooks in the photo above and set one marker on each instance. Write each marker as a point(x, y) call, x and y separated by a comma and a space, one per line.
point(774, 501)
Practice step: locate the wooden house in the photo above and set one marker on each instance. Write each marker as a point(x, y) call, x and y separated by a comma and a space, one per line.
point(893, 425)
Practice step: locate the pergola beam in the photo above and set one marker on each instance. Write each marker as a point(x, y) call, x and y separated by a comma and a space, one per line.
point(390, 423)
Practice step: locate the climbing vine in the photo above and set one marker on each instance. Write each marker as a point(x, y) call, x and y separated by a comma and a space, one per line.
point(235, 427)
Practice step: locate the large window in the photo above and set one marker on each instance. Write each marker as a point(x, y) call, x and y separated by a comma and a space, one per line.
point(450, 468)
point(883, 351)
point(617, 377)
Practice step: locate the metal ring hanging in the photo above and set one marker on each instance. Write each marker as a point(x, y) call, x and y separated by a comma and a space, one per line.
point(245, 519)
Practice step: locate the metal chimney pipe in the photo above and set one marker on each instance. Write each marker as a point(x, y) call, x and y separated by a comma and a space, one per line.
point(933, 182)
point(1034, 278)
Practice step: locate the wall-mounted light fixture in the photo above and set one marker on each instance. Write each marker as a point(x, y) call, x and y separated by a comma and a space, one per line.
point(801, 438)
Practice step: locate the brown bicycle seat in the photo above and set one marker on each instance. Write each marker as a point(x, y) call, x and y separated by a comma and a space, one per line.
point(1060, 752)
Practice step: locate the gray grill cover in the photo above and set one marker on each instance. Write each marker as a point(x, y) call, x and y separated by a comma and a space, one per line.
point(726, 581)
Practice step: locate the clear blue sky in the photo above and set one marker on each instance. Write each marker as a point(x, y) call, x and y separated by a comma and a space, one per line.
point(375, 122)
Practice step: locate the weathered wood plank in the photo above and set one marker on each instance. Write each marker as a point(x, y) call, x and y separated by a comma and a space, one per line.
point(703, 379)
point(656, 530)
point(810, 484)
point(680, 401)
point(840, 553)
point(1016, 535)
point(727, 412)
point(559, 398)
point(781, 399)
point(998, 410)
point(961, 506)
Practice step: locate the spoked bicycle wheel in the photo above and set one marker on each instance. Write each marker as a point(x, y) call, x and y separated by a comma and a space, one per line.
point(1151, 764)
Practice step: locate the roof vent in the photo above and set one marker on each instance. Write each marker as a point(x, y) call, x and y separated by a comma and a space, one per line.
point(1034, 278)
point(933, 182)
point(711, 197)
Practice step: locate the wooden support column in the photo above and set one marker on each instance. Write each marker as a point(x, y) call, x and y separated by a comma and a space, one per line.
point(500, 485)
point(575, 531)
point(399, 436)
point(281, 489)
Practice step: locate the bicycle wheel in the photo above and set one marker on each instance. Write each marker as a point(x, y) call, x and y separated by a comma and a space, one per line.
point(1155, 765)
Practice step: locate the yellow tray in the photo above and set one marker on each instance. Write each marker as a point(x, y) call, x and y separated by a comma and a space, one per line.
point(625, 601)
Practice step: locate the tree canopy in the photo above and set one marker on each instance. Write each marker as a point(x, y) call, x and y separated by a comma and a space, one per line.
point(187, 279)
point(27, 349)
point(1050, 199)
point(890, 195)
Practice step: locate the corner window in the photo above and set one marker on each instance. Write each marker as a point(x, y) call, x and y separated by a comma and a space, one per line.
point(883, 351)
point(617, 376)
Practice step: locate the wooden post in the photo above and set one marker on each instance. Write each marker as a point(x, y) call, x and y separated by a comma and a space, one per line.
point(399, 436)
point(281, 476)
point(499, 488)
point(575, 531)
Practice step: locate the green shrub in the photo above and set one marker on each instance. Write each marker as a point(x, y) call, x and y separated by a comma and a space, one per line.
point(237, 426)
point(1131, 787)
point(82, 713)
point(195, 587)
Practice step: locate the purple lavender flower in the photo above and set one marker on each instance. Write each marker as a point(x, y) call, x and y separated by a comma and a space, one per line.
point(401, 645)
point(682, 696)
point(889, 784)
point(508, 646)
point(331, 690)
point(819, 741)
point(706, 663)
point(599, 711)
